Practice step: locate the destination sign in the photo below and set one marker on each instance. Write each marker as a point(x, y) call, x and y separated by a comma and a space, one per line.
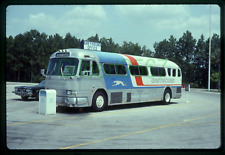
point(92, 46)
point(65, 54)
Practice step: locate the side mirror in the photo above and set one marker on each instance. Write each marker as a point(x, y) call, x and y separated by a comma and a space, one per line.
point(43, 73)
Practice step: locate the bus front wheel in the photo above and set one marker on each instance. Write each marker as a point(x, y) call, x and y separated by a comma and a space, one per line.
point(167, 96)
point(99, 101)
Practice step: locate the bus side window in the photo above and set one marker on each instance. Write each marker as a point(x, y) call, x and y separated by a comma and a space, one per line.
point(162, 71)
point(121, 70)
point(169, 71)
point(95, 69)
point(143, 70)
point(109, 68)
point(134, 70)
point(158, 71)
point(179, 73)
point(154, 71)
point(174, 72)
point(85, 66)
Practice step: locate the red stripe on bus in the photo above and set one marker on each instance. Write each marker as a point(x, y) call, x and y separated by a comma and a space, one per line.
point(138, 79)
point(134, 62)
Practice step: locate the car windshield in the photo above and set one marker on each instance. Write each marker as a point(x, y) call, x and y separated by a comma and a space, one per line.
point(62, 66)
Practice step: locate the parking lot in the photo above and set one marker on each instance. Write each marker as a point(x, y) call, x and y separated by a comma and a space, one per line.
point(191, 122)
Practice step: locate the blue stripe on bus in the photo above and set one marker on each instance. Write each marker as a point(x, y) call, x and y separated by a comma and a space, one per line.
point(119, 81)
point(105, 57)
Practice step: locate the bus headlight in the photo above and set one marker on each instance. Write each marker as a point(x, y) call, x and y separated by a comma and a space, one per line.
point(71, 92)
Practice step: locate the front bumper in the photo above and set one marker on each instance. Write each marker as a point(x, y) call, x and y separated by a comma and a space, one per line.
point(23, 93)
point(72, 101)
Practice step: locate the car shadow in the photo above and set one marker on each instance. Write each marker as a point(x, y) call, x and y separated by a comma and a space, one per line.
point(28, 100)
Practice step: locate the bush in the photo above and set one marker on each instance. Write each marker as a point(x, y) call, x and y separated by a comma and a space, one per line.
point(194, 85)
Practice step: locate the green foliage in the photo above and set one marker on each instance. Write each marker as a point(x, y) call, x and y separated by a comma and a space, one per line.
point(214, 77)
point(192, 57)
point(94, 38)
point(27, 53)
point(194, 85)
point(108, 45)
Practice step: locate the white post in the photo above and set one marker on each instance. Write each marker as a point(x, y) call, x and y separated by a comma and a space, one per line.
point(187, 89)
point(209, 49)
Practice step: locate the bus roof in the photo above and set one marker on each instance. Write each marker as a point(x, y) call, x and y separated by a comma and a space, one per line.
point(117, 58)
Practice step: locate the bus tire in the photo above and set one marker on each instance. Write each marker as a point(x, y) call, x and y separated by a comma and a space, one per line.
point(167, 96)
point(99, 101)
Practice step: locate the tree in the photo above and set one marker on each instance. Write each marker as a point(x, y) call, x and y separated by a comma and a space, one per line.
point(131, 48)
point(94, 38)
point(31, 50)
point(108, 45)
point(21, 56)
point(162, 49)
point(146, 52)
point(10, 58)
point(200, 63)
point(167, 49)
point(215, 78)
point(58, 42)
point(71, 41)
point(186, 48)
point(174, 55)
point(216, 57)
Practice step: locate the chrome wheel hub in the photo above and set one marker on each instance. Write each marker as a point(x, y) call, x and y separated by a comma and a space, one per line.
point(100, 101)
point(167, 97)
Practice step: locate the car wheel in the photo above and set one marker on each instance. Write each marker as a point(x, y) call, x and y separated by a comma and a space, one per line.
point(24, 98)
point(37, 96)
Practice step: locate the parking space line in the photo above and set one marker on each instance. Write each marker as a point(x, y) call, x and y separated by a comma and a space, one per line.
point(116, 137)
point(141, 131)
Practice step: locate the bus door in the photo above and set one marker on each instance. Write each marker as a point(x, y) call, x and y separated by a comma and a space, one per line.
point(89, 76)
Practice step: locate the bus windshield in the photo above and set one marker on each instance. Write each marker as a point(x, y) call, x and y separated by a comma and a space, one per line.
point(62, 66)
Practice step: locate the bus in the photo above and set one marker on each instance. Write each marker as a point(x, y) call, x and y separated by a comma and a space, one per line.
point(97, 79)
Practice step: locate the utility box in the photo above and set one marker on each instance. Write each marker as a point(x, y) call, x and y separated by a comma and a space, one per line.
point(187, 87)
point(47, 101)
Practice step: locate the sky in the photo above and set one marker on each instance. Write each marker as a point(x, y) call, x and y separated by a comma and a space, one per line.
point(142, 24)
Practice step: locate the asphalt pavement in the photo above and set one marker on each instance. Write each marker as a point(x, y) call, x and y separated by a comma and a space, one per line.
point(191, 122)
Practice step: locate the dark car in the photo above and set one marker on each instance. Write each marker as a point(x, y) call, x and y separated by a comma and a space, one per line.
point(29, 91)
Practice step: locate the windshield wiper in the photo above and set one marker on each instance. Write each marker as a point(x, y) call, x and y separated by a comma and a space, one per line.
point(52, 70)
point(61, 70)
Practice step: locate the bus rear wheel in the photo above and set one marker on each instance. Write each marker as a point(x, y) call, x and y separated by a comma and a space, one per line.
point(99, 101)
point(167, 96)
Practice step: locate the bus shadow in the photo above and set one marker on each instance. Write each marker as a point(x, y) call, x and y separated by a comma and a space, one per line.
point(69, 110)
point(137, 105)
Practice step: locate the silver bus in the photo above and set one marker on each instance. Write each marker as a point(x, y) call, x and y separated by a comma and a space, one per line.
point(87, 78)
